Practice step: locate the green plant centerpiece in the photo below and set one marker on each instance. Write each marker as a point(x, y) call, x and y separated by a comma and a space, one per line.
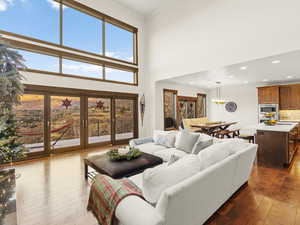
point(126, 153)
point(11, 88)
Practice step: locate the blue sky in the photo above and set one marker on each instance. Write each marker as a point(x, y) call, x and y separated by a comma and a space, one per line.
point(40, 19)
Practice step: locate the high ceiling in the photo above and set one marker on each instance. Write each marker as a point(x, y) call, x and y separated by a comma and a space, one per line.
point(284, 68)
point(145, 7)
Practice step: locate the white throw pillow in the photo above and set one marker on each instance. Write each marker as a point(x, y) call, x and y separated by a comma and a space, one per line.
point(157, 180)
point(214, 154)
point(167, 140)
point(185, 141)
point(156, 133)
point(203, 142)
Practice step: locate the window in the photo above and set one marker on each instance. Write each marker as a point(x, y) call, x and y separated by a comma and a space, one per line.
point(38, 61)
point(37, 19)
point(82, 69)
point(119, 75)
point(67, 38)
point(82, 31)
point(119, 43)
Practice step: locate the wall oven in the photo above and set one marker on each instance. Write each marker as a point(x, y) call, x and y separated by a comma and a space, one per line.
point(263, 109)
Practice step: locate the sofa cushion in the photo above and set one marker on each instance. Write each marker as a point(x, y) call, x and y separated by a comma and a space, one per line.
point(185, 141)
point(158, 179)
point(166, 139)
point(150, 147)
point(214, 154)
point(166, 154)
point(203, 142)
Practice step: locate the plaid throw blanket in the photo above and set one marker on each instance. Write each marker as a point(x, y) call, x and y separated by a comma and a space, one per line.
point(105, 195)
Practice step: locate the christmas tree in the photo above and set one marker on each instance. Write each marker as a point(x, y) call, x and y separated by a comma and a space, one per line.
point(11, 89)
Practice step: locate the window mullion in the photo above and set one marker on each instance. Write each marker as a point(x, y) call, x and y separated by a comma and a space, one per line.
point(103, 37)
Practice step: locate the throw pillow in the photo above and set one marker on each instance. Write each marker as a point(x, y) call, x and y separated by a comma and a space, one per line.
point(167, 140)
point(185, 141)
point(214, 154)
point(203, 142)
point(158, 179)
point(156, 133)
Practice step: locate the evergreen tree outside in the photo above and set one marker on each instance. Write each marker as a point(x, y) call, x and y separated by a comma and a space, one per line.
point(11, 89)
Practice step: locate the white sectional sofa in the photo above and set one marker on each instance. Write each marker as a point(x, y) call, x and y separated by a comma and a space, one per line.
point(193, 200)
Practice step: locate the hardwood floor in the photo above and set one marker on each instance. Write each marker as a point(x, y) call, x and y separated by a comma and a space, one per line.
point(53, 191)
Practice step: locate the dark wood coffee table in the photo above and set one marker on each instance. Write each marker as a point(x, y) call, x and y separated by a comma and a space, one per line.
point(120, 169)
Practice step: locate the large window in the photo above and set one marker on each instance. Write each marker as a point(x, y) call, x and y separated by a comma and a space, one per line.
point(82, 69)
point(114, 47)
point(67, 38)
point(38, 61)
point(82, 31)
point(37, 19)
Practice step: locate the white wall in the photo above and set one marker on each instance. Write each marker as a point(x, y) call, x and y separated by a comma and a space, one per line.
point(183, 90)
point(120, 12)
point(191, 36)
point(245, 96)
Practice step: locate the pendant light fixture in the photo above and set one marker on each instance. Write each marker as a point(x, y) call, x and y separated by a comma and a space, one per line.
point(218, 100)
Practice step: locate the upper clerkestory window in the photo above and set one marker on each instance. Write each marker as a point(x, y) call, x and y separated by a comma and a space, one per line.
point(64, 37)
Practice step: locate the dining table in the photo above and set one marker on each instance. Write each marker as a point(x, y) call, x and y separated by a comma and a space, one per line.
point(211, 128)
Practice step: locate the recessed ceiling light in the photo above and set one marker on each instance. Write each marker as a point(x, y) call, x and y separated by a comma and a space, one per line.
point(289, 77)
point(276, 61)
point(243, 67)
point(265, 80)
point(231, 76)
point(246, 82)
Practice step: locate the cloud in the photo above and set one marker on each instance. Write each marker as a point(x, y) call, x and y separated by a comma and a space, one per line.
point(54, 4)
point(82, 68)
point(112, 54)
point(4, 4)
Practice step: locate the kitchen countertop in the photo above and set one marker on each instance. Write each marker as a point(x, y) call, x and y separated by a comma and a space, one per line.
point(296, 121)
point(279, 127)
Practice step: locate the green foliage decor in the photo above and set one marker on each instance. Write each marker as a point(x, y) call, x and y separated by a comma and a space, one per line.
point(133, 153)
point(11, 88)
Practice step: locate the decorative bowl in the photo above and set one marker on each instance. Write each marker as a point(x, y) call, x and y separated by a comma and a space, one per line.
point(270, 122)
point(127, 153)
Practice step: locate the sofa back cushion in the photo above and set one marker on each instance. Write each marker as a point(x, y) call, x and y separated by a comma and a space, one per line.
point(203, 142)
point(158, 179)
point(185, 141)
point(214, 154)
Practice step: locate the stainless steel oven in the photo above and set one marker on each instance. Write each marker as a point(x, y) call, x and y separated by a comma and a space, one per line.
point(267, 108)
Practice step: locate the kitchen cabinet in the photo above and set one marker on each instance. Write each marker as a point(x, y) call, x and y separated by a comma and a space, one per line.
point(276, 148)
point(268, 95)
point(284, 97)
point(289, 97)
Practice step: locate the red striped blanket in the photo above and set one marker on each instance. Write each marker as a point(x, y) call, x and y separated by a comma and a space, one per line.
point(105, 195)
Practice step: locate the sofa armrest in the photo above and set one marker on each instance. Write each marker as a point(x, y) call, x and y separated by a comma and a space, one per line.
point(133, 210)
point(140, 141)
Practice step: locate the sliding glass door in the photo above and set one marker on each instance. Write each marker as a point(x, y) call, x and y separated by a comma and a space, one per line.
point(52, 121)
point(124, 119)
point(65, 125)
point(30, 115)
point(99, 128)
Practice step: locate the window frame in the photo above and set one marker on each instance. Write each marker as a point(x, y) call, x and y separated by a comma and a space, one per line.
point(59, 50)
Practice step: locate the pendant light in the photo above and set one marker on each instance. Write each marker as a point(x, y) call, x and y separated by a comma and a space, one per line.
point(218, 100)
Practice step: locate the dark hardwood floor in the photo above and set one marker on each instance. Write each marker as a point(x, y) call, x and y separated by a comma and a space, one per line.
point(53, 191)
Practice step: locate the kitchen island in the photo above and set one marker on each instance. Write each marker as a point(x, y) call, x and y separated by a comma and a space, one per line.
point(276, 144)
